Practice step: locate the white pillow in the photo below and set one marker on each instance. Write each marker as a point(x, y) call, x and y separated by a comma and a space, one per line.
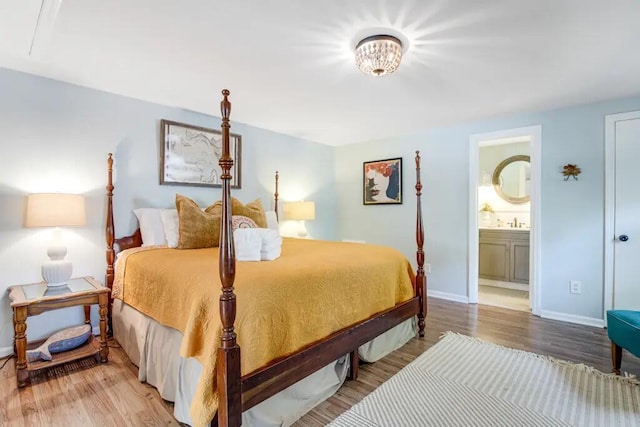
point(151, 226)
point(272, 220)
point(171, 226)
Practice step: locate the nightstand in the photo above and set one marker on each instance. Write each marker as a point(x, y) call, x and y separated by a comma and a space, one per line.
point(34, 299)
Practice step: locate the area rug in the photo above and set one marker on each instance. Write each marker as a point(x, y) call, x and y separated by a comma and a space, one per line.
point(464, 381)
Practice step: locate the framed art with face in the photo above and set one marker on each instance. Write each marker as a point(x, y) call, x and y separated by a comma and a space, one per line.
point(382, 182)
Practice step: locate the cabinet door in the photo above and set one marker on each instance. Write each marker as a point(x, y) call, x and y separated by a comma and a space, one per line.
point(494, 259)
point(519, 262)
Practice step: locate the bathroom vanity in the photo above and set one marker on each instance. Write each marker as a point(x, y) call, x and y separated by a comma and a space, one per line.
point(504, 254)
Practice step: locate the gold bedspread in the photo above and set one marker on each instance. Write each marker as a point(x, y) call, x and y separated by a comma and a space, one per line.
point(314, 289)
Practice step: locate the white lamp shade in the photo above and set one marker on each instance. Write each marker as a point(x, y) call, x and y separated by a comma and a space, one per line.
point(55, 210)
point(299, 211)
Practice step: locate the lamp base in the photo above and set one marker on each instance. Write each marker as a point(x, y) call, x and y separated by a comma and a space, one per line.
point(302, 230)
point(56, 273)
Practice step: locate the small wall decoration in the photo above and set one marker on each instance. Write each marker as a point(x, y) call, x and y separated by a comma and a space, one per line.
point(571, 171)
point(382, 182)
point(486, 207)
point(190, 155)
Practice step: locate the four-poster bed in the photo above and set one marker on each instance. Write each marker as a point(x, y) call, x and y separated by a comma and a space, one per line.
point(237, 392)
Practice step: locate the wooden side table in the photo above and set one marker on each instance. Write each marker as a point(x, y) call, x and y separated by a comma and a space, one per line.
point(34, 299)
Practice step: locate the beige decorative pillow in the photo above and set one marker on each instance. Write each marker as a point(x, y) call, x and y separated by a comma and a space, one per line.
point(253, 210)
point(197, 228)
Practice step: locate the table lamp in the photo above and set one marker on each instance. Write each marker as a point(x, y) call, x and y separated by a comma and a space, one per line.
point(56, 210)
point(300, 211)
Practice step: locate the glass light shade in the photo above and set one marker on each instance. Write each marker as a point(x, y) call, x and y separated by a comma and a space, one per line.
point(379, 55)
point(299, 211)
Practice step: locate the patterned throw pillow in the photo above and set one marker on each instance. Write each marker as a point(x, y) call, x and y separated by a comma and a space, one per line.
point(241, 221)
point(197, 228)
point(253, 210)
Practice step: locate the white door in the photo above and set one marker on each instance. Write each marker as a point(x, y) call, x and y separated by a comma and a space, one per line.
point(626, 236)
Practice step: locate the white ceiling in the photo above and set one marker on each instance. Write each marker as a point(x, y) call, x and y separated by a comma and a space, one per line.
point(289, 63)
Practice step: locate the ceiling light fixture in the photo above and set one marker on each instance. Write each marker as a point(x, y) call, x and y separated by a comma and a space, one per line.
point(379, 55)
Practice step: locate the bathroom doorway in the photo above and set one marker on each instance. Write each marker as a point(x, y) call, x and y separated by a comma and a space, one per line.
point(504, 219)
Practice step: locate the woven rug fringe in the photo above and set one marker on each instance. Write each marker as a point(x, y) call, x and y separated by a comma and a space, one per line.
point(580, 367)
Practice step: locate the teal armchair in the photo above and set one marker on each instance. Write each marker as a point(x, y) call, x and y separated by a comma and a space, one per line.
point(623, 328)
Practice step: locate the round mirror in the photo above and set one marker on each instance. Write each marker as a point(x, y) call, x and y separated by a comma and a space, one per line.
point(511, 179)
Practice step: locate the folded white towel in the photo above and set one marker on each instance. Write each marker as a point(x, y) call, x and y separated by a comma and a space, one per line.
point(272, 246)
point(248, 244)
point(270, 255)
point(255, 244)
point(269, 236)
point(247, 253)
point(271, 241)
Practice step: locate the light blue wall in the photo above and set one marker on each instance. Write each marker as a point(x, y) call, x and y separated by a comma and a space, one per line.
point(572, 212)
point(55, 137)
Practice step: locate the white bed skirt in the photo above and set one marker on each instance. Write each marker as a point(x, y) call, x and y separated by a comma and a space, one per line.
point(155, 349)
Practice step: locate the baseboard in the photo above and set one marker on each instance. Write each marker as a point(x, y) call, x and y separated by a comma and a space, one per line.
point(95, 330)
point(448, 296)
point(572, 318)
point(5, 351)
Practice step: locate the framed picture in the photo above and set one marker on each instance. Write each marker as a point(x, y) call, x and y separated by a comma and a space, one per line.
point(382, 182)
point(190, 155)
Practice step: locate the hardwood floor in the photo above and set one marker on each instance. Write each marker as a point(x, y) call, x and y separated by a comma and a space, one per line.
point(502, 297)
point(83, 394)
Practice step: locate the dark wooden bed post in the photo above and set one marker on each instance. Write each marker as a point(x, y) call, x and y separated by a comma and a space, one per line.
point(275, 197)
point(421, 280)
point(123, 243)
point(228, 360)
point(110, 235)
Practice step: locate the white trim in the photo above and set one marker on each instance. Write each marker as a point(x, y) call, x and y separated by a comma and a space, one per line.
point(504, 141)
point(609, 203)
point(95, 330)
point(475, 142)
point(473, 256)
point(572, 318)
point(6, 351)
point(535, 235)
point(447, 296)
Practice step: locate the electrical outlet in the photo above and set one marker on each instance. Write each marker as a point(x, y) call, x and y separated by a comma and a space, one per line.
point(575, 287)
point(427, 268)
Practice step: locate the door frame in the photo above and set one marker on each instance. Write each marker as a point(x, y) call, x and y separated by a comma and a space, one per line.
point(609, 203)
point(475, 142)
